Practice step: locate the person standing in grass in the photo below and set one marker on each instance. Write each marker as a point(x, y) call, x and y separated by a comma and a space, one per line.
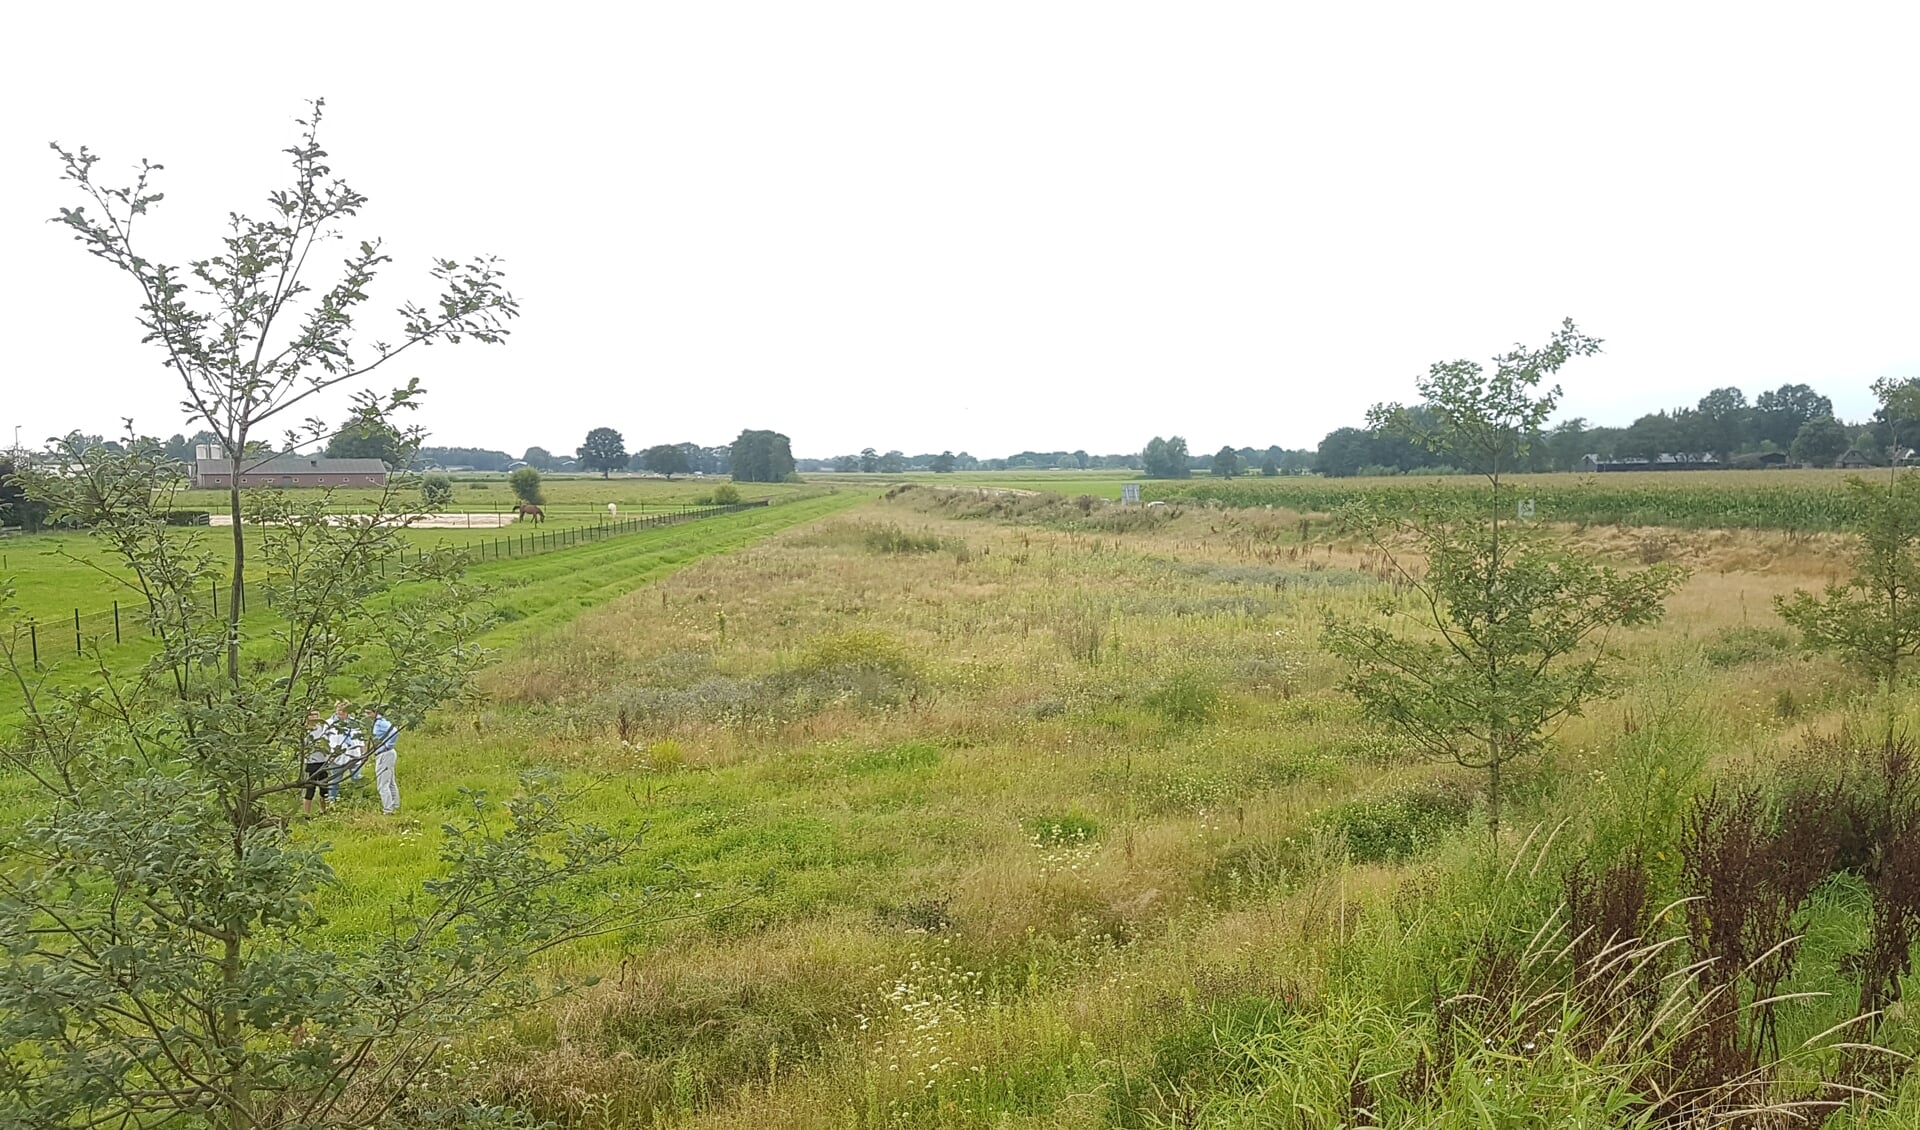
point(316, 755)
point(348, 750)
point(384, 738)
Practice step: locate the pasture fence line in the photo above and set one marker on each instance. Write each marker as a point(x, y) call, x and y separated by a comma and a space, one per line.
point(506, 546)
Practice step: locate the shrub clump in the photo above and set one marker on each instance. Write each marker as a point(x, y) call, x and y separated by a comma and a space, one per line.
point(1741, 646)
point(1399, 824)
point(890, 539)
point(1186, 699)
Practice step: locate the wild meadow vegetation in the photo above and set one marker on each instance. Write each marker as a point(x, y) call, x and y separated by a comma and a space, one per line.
point(961, 811)
point(956, 806)
point(970, 808)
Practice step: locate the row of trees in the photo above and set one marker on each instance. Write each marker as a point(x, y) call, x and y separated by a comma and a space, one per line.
point(755, 456)
point(1170, 459)
point(1723, 425)
point(871, 461)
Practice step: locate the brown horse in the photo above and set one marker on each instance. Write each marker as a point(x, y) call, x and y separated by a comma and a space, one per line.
point(529, 510)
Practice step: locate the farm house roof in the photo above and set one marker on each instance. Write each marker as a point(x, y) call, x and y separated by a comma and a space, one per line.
point(295, 465)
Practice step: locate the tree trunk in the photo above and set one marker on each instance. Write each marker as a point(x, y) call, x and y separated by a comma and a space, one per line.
point(238, 1100)
point(1493, 789)
point(237, 586)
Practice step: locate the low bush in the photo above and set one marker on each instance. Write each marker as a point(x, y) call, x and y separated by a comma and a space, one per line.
point(891, 539)
point(1738, 647)
point(1185, 700)
point(436, 491)
point(1399, 824)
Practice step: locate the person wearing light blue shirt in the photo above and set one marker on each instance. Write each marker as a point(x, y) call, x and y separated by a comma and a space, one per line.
point(384, 740)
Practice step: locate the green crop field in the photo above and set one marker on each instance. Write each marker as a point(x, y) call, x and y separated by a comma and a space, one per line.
point(1801, 500)
point(1794, 500)
point(1104, 484)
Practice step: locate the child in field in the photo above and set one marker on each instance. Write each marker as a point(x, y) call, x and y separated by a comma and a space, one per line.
point(348, 749)
point(315, 755)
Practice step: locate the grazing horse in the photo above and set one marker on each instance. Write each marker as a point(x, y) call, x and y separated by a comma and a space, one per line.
point(529, 510)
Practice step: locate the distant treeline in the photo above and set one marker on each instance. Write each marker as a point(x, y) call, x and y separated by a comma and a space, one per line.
point(1723, 427)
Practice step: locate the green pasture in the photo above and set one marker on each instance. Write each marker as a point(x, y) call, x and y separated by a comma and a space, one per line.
point(64, 571)
point(56, 572)
point(578, 495)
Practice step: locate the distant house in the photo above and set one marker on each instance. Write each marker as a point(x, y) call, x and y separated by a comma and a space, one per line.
point(1853, 460)
point(294, 471)
point(1773, 459)
point(1670, 461)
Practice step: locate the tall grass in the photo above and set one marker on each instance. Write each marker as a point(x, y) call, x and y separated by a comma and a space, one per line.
point(1072, 830)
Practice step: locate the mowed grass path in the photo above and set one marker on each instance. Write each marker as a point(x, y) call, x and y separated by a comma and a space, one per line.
point(531, 592)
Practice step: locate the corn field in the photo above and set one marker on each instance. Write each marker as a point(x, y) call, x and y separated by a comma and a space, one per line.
point(1806, 500)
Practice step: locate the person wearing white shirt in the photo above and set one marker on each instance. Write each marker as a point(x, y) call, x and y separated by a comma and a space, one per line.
point(344, 740)
point(315, 757)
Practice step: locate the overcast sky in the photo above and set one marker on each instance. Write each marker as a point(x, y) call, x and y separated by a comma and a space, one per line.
point(997, 226)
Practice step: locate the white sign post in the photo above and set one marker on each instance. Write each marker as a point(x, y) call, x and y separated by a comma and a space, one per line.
point(1526, 510)
point(1129, 492)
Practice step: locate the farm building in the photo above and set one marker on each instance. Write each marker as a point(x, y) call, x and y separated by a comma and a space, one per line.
point(1853, 460)
point(292, 471)
point(1674, 461)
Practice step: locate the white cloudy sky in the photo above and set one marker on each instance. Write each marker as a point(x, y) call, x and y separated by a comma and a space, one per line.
point(994, 226)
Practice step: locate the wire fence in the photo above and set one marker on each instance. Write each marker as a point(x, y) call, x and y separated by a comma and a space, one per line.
point(50, 637)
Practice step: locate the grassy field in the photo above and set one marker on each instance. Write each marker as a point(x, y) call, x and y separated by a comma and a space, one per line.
point(486, 494)
point(56, 573)
point(62, 571)
point(971, 809)
point(960, 812)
